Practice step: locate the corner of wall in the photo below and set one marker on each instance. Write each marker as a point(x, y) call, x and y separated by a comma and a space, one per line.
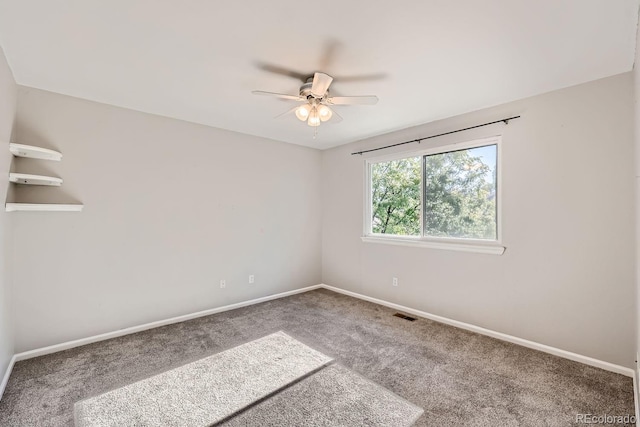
point(8, 89)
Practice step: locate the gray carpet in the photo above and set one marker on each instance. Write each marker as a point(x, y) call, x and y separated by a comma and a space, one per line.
point(206, 391)
point(332, 397)
point(458, 377)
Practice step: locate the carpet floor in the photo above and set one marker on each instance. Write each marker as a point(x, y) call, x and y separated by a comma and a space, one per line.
point(458, 377)
point(334, 396)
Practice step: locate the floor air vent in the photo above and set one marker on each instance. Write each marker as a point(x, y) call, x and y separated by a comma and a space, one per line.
point(405, 317)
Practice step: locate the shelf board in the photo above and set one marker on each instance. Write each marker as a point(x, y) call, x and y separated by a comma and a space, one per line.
point(28, 179)
point(21, 150)
point(42, 207)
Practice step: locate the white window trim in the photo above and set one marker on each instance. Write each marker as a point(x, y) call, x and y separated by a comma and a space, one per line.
point(431, 243)
point(493, 247)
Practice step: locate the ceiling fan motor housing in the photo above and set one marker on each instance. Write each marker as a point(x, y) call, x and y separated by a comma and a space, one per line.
point(305, 90)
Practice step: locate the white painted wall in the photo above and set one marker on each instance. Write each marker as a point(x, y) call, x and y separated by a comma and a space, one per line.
point(8, 96)
point(567, 277)
point(171, 208)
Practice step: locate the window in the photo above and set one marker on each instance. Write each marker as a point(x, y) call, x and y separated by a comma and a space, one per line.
point(445, 196)
point(395, 197)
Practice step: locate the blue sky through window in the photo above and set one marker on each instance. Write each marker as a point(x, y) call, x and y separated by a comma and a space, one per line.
point(487, 154)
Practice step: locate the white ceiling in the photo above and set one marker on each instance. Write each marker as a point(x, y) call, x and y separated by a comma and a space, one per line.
point(196, 60)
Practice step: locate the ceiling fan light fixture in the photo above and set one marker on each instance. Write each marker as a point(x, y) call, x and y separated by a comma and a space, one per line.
point(314, 118)
point(315, 100)
point(303, 111)
point(325, 113)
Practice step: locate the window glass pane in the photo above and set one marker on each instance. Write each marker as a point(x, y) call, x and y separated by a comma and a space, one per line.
point(395, 197)
point(460, 193)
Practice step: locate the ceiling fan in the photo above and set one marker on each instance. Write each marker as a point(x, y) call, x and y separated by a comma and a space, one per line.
point(316, 101)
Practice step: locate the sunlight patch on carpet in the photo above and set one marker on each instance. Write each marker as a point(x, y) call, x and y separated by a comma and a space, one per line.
point(334, 396)
point(206, 391)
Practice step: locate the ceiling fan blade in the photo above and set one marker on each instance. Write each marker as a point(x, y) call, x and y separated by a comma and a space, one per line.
point(286, 113)
point(329, 51)
point(276, 69)
point(335, 118)
point(353, 100)
point(361, 77)
point(279, 95)
point(321, 82)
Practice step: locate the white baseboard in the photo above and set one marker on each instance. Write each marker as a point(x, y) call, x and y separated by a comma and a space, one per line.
point(498, 335)
point(5, 378)
point(126, 331)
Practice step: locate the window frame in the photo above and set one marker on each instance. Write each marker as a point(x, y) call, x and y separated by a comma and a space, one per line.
point(449, 243)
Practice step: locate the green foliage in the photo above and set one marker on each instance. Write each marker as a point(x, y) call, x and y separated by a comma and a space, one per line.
point(459, 196)
point(395, 196)
point(459, 200)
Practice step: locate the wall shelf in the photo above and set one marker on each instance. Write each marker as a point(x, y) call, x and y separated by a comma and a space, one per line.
point(33, 152)
point(22, 150)
point(28, 179)
point(42, 207)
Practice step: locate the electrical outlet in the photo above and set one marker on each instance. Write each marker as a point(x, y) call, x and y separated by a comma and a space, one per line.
point(252, 278)
point(223, 284)
point(394, 282)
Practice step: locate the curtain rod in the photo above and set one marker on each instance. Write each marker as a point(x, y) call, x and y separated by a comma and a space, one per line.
point(505, 121)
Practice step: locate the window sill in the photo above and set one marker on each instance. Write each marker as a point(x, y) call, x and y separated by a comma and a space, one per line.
point(492, 249)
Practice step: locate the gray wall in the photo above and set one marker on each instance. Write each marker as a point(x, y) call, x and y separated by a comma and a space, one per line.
point(170, 209)
point(8, 96)
point(567, 276)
